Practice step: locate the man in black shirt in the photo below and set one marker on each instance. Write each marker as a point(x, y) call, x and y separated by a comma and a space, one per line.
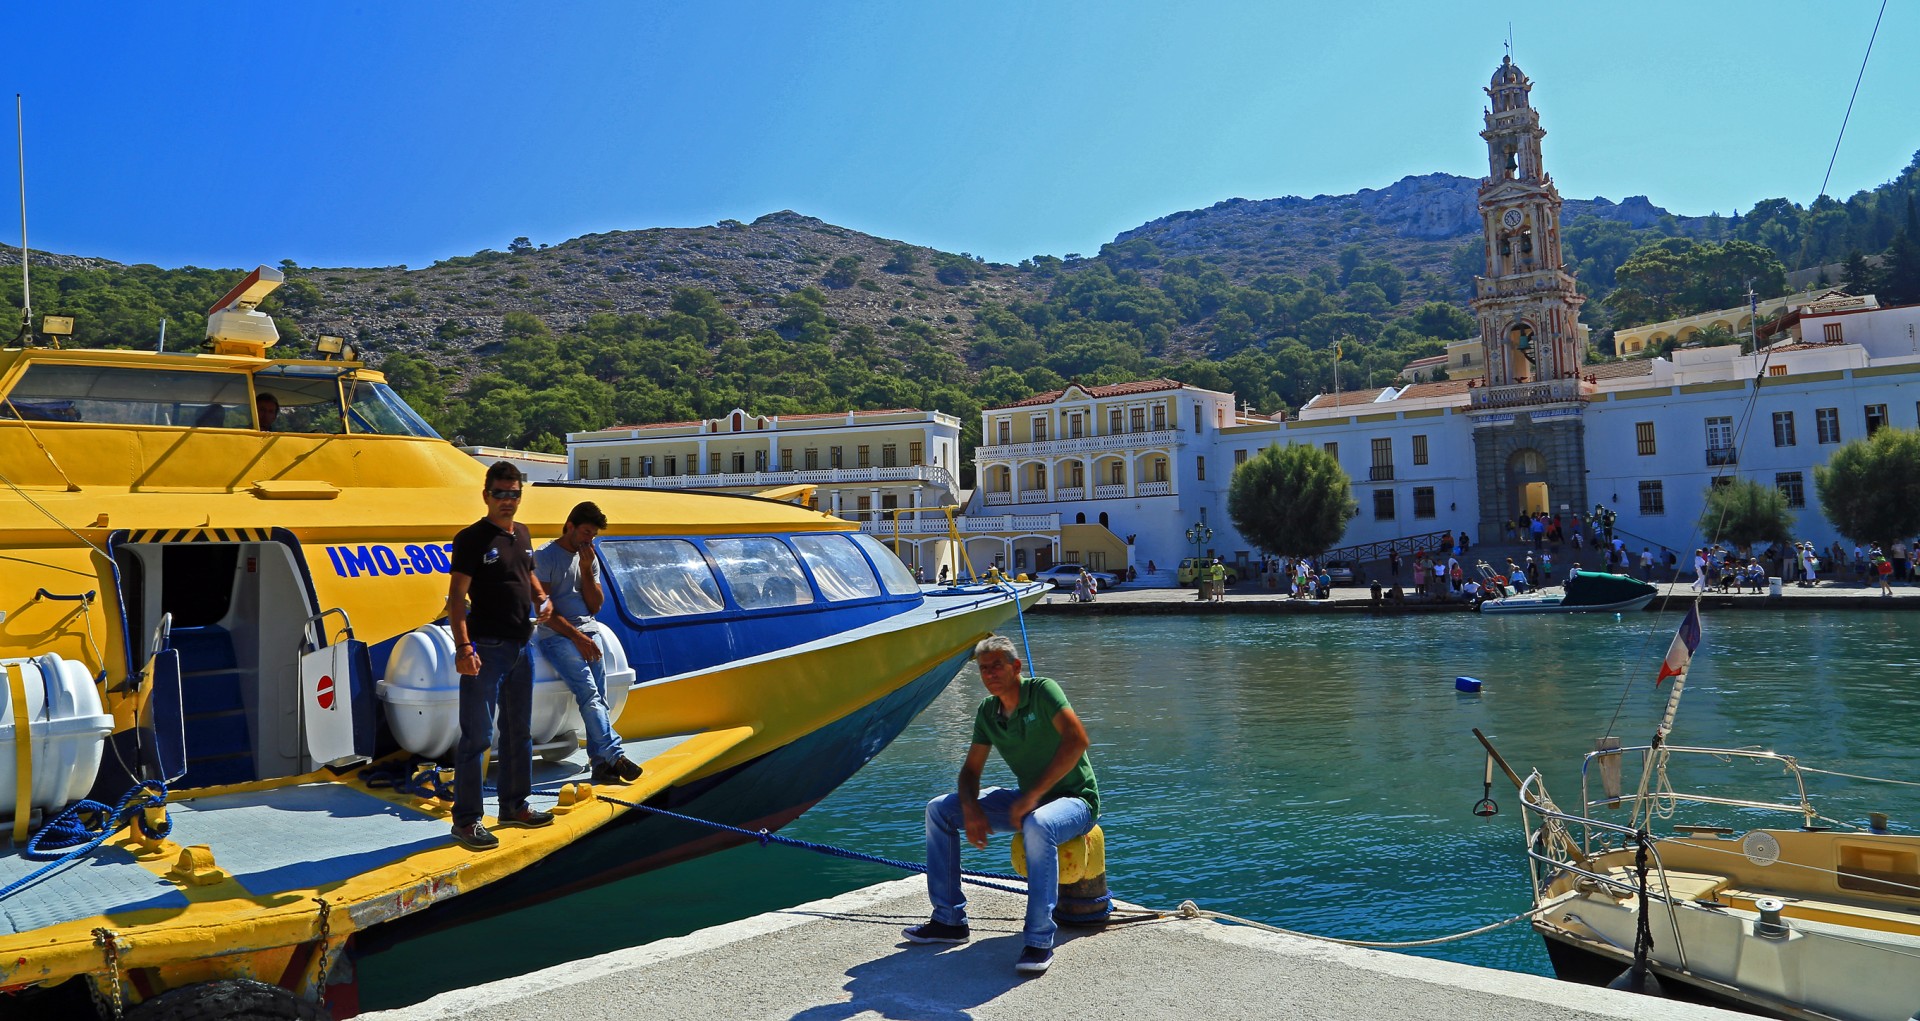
point(493, 565)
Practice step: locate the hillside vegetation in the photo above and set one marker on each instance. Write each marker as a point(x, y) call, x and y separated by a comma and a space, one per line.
point(790, 314)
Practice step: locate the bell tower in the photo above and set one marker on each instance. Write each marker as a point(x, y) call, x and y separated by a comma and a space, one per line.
point(1529, 429)
point(1527, 304)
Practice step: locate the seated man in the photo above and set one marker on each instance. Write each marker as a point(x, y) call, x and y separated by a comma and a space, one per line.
point(1028, 720)
point(267, 407)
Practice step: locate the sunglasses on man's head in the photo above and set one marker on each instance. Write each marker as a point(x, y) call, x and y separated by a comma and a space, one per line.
point(504, 494)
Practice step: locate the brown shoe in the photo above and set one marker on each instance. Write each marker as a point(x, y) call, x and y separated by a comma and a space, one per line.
point(525, 817)
point(620, 770)
point(474, 837)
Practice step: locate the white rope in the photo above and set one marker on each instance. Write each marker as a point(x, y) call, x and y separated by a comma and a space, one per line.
point(1856, 776)
point(1189, 909)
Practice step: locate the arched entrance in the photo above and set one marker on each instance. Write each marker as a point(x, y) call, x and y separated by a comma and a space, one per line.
point(1527, 482)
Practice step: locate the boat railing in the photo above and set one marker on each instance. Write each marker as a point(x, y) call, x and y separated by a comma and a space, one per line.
point(314, 634)
point(1665, 797)
point(1551, 847)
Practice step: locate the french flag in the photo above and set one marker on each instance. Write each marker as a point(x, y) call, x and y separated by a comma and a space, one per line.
point(1686, 642)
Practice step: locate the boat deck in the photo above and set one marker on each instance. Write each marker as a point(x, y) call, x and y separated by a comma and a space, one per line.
point(272, 842)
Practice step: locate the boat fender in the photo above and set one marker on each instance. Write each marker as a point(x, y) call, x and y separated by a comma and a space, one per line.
point(1469, 685)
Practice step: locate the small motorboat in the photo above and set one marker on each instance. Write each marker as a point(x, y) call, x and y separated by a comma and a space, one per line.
point(1584, 592)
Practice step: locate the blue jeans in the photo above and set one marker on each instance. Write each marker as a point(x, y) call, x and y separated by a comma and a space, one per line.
point(1044, 830)
point(505, 678)
point(588, 682)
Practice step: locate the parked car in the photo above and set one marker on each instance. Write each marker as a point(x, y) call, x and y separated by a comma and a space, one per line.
point(1346, 572)
point(1188, 573)
point(1068, 575)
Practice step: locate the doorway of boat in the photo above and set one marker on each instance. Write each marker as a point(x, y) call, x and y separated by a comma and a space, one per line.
point(245, 678)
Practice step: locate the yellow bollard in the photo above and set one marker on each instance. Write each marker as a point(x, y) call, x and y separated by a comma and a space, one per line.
point(1084, 898)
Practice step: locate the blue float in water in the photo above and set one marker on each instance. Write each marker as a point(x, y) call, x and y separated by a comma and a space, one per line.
point(1470, 685)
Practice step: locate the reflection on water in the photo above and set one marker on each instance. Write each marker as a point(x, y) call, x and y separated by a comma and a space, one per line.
point(1315, 774)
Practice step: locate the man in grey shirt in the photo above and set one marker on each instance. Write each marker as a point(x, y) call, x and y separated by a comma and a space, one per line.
point(567, 570)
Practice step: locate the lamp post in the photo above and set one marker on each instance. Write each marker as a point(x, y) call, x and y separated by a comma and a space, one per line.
point(1200, 534)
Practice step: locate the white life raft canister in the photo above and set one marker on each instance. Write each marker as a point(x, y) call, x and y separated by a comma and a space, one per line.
point(65, 730)
point(422, 692)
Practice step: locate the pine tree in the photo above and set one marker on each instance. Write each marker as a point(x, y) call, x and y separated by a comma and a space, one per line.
point(1899, 282)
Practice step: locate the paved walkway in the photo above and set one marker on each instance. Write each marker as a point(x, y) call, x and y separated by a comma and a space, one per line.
point(844, 958)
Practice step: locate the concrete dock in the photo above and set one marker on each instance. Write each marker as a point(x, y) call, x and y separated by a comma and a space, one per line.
point(844, 958)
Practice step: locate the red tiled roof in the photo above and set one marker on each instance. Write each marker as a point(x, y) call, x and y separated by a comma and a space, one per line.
point(1343, 400)
point(1620, 369)
point(1430, 360)
point(653, 425)
point(842, 414)
point(1139, 386)
point(1440, 388)
point(1803, 346)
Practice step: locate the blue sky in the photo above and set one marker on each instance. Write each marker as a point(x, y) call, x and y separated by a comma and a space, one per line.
point(385, 133)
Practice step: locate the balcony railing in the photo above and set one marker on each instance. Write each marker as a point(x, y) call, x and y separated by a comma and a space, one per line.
point(1033, 496)
point(995, 499)
point(1078, 445)
point(1520, 395)
point(1722, 455)
point(1154, 489)
point(966, 524)
point(1070, 493)
point(1380, 473)
point(1110, 492)
point(932, 474)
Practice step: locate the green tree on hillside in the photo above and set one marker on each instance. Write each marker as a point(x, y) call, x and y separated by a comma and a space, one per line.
point(1292, 501)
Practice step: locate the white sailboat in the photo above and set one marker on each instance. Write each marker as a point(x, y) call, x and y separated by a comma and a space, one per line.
point(1808, 918)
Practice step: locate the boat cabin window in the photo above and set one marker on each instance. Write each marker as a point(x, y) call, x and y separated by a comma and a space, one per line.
point(893, 573)
point(837, 565)
point(375, 408)
point(661, 577)
point(116, 395)
point(761, 572)
point(309, 400)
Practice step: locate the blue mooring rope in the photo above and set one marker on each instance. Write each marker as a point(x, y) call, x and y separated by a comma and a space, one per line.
point(74, 834)
point(1020, 614)
point(766, 837)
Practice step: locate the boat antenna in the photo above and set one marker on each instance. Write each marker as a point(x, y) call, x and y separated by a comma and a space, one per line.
point(161, 348)
point(26, 275)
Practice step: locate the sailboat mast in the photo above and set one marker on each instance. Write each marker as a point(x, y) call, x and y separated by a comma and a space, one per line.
point(26, 274)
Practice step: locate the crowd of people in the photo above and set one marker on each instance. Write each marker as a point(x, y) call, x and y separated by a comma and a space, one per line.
point(1803, 565)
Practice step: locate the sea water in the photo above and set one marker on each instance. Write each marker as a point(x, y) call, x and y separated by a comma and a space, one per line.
point(1316, 773)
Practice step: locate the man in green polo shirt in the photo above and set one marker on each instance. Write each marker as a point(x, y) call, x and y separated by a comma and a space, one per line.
point(1028, 720)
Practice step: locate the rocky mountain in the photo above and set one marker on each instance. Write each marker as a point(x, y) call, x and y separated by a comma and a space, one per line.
point(1416, 223)
point(1422, 225)
point(459, 303)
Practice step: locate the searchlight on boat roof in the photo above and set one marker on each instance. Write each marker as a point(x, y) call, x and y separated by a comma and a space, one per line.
point(235, 326)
